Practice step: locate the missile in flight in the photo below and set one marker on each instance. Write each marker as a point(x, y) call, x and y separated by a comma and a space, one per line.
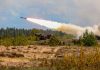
point(23, 17)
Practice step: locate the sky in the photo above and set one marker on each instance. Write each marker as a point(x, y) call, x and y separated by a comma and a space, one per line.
point(79, 12)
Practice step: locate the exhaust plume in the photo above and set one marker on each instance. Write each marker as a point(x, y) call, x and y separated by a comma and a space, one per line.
point(66, 28)
point(49, 24)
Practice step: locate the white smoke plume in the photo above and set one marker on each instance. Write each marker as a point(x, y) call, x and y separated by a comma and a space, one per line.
point(67, 28)
point(49, 24)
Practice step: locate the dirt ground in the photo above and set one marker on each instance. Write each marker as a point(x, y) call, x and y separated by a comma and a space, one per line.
point(30, 55)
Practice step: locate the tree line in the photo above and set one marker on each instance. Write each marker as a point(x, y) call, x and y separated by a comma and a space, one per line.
point(17, 37)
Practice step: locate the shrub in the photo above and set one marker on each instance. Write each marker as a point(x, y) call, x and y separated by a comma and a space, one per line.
point(20, 41)
point(88, 39)
point(6, 42)
point(54, 41)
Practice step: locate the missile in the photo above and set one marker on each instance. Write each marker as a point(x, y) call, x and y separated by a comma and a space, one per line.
point(23, 18)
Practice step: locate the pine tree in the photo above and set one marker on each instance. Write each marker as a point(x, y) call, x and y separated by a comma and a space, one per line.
point(88, 39)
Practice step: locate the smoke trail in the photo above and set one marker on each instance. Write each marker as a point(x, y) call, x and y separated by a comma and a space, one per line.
point(67, 28)
point(49, 24)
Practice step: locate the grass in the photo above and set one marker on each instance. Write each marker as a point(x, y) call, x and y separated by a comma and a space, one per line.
point(23, 68)
point(83, 61)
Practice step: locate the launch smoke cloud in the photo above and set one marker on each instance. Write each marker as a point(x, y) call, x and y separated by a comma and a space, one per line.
point(67, 28)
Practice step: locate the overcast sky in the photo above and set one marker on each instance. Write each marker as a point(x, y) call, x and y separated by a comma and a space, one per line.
point(80, 12)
